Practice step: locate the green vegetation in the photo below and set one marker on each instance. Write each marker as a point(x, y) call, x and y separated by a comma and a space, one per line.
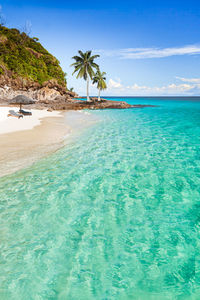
point(25, 57)
point(84, 65)
point(100, 79)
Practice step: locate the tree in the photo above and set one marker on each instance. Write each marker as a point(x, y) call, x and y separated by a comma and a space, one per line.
point(27, 28)
point(84, 65)
point(26, 31)
point(100, 78)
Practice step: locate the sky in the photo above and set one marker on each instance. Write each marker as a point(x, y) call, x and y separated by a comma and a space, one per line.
point(146, 47)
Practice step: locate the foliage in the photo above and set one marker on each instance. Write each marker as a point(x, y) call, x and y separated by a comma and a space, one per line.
point(27, 58)
point(84, 64)
point(100, 79)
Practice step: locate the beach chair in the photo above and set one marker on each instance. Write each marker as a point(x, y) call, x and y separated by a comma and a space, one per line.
point(12, 113)
point(25, 113)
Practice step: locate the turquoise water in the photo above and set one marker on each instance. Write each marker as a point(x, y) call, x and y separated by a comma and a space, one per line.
point(113, 215)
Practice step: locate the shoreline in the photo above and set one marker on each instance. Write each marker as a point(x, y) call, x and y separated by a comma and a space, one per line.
point(20, 149)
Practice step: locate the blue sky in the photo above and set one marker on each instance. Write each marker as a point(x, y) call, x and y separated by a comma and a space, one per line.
point(146, 47)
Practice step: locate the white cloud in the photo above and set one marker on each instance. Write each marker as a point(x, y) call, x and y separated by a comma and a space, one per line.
point(142, 53)
point(114, 84)
point(192, 80)
point(187, 89)
point(182, 87)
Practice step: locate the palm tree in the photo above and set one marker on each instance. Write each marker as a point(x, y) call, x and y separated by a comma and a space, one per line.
point(100, 78)
point(84, 65)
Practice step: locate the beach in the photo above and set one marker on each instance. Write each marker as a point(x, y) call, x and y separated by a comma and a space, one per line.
point(13, 124)
point(24, 141)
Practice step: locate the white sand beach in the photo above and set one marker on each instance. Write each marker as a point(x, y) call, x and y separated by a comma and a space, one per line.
point(12, 124)
point(24, 141)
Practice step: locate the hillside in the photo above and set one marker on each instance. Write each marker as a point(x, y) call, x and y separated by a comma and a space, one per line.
point(24, 57)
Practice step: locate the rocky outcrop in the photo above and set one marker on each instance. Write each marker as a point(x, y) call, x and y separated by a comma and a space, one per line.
point(63, 103)
point(49, 90)
point(52, 96)
point(66, 102)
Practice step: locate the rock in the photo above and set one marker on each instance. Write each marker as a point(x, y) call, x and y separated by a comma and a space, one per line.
point(60, 99)
point(54, 97)
point(35, 53)
point(71, 94)
point(79, 105)
point(96, 99)
point(49, 90)
point(44, 101)
point(47, 93)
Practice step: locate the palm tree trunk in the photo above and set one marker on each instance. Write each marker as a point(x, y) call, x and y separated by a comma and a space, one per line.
point(88, 99)
point(99, 96)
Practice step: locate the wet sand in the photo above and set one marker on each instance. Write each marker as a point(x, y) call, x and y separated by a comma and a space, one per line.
point(21, 149)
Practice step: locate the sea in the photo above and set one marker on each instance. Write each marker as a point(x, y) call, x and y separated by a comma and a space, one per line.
point(115, 214)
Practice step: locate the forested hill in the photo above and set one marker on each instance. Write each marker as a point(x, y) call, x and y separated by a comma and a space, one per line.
point(24, 57)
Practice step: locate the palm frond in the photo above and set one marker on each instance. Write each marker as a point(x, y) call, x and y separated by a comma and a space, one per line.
point(84, 66)
point(95, 80)
point(81, 73)
point(99, 78)
point(90, 71)
point(76, 69)
point(85, 76)
point(81, 54)
point(77, 58)
point(75, 64)
point(88, 54)
point(94, 56)
point(94, 65)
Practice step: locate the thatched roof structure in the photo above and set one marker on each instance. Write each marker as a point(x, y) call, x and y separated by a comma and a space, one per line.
point(21, 99)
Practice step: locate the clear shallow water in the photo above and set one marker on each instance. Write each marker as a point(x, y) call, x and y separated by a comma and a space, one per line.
point(115, 215)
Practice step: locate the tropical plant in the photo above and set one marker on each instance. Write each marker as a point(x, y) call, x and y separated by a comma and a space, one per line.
point(100, 78)
point(23, 57)
point(84, 65)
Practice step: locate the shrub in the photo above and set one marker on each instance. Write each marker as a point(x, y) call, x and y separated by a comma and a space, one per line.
point(27, 58)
